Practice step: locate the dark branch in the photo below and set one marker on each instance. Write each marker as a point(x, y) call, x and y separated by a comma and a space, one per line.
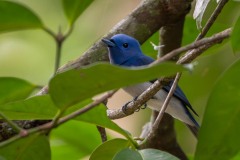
point(103, 133)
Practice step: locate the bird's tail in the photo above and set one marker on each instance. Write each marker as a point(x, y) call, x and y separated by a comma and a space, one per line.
point(193, 129)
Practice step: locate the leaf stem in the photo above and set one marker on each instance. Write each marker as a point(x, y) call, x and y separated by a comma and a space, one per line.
point(11, 123)
point(59, 39)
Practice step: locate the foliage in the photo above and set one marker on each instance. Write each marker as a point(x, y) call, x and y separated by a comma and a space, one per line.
point(72, 91)
point(26, 19)
point(235, 38)
point(223, 102)
point(35, 146)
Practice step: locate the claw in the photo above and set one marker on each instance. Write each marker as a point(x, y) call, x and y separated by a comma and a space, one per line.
point(135, 98)
point(124, 108)
point(144, 106)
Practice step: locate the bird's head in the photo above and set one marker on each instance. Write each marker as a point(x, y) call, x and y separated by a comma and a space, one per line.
point(121, 48)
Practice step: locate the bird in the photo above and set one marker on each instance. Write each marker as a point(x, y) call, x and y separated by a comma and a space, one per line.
point(125, 51)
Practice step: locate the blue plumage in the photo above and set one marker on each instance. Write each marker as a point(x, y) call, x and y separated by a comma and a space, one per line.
point(125, 51)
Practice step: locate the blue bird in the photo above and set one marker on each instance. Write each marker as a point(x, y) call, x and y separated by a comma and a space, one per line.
point(124, 50)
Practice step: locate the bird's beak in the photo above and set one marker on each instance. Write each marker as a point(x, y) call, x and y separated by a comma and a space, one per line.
point(108, 42)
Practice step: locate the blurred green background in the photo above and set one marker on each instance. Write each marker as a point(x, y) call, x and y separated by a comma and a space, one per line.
point(30, 55)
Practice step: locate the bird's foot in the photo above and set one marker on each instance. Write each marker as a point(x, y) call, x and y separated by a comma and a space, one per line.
point(124, 108)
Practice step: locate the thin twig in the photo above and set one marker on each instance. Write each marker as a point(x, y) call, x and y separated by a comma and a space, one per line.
point(102, 132)
point(189, 57)
point(50, 32)
point(216, 38)
point(11, 123)
point(212, 19)
point(56, 119)
point(59, 39)
point(50, 125)
point(163, 108)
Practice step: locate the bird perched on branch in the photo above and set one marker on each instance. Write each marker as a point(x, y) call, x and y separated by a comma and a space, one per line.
point(125, 51)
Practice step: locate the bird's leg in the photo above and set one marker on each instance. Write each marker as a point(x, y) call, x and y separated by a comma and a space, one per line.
point(144, 106)
point(124, 108)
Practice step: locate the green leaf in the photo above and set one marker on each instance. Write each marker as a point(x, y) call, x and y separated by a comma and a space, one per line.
point(128, 154)
point(235, 38)
point(70, 87)
point(15, 16)
point(219, 134)
point(237, 157)
point(13, 89)
point(98, 116)
point(150, 154)
point(74, 8)
point(72, 140)
point(190, 31)
point(34, 147)
point(107, 150)
point(39, 107)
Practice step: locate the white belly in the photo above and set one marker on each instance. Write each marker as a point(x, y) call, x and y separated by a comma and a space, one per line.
point(175, 107)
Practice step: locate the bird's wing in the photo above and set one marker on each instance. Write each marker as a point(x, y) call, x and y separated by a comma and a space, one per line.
point(138, 61)
point(178, 93)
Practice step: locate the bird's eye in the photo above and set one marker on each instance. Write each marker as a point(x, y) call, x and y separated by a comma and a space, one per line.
point(125, 45)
